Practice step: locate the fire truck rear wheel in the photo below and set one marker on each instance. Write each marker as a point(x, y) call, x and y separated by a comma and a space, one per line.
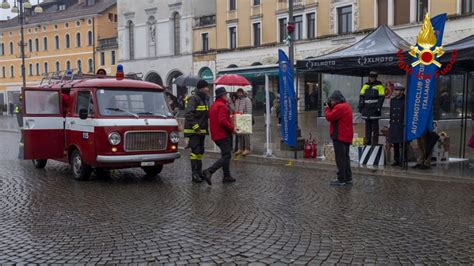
point(40, 164)
point(80, 170)
point(153, 170)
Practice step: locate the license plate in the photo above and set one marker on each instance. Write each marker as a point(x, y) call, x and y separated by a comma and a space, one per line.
point(147, 163)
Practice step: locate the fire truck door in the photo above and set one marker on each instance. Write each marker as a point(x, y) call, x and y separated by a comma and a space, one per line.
point(43, 124)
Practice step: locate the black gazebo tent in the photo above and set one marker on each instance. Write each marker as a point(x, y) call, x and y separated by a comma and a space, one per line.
point(377, 51)
point(464, 59)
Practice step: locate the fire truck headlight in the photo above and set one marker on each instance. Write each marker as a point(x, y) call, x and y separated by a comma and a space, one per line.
point(174, 137)
point(114, 138)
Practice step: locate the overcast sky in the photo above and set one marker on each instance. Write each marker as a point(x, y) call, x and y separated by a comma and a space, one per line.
point(7, 12)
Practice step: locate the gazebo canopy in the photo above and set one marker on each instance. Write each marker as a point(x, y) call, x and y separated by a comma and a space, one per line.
point(465, 54)
point(377, 51)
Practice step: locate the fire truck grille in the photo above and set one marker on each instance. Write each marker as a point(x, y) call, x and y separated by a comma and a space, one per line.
point(145, 141)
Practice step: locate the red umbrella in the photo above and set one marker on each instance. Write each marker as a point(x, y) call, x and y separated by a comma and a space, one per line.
point(232, 80)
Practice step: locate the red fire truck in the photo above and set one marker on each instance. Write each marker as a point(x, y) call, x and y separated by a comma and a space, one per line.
point(99, 122)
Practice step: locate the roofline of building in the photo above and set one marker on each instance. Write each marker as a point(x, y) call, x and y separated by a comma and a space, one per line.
point(54, 21)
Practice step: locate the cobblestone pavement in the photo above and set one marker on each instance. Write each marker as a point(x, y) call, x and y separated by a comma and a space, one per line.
point(271, 214)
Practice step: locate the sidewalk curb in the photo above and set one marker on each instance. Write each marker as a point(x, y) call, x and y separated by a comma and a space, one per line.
point(9, 130)
point(301, 163)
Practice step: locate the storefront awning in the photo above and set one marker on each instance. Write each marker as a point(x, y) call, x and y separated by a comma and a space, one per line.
point(253, 71)
point(377, 51)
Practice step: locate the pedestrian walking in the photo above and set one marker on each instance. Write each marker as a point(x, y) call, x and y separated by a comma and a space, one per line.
point(11, 108)
point(243, 105)
point(221, 133)
point(396, 130)
point(371, 100)
point(339, 114)
point(196, 128)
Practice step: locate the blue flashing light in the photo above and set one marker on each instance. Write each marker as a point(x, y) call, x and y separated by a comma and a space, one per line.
point(69, 72)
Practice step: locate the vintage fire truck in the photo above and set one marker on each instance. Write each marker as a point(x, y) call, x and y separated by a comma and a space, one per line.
point(99, 122)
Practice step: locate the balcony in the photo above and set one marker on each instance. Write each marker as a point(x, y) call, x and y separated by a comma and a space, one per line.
point(282, 5)
point(205, 21)
point(109, 43)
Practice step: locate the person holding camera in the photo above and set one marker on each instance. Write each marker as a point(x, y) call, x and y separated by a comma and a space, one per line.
point(339, 113)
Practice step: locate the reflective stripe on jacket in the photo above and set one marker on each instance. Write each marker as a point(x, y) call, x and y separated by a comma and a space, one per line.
point(196, 115)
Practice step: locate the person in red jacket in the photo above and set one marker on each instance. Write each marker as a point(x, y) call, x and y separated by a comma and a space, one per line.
point(221, 133)
point(339, 114)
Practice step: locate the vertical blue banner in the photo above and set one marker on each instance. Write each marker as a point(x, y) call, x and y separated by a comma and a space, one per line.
point(422, 83)
point(287, 100)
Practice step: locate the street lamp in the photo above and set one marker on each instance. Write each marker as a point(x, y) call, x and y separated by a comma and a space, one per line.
point(20, 9)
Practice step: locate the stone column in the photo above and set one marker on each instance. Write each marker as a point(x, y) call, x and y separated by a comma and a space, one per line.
point(412, 11)
point(391, 13)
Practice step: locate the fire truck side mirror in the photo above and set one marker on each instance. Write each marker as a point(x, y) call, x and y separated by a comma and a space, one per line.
point(83, 114)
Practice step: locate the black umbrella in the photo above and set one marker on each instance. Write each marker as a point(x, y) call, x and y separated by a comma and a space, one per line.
point(187, 80)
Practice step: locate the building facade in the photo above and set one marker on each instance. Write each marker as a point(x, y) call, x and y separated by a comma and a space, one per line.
point(156, 38)
point(251, 32)
point(65, 36)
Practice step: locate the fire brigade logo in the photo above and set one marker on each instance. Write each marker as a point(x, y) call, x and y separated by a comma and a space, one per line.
point(426, 40)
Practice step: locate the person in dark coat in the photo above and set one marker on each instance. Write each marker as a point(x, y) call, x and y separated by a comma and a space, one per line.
point(196, 128)
point(396, 130)
point(372, 95)
point(339, 114)
point(221, 133)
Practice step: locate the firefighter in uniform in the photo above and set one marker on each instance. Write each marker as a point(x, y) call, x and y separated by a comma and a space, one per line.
point(19, 118)
point(371, 100)
point(196, 128)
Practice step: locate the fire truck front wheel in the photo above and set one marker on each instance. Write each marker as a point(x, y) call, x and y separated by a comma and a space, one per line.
point(80, 170)
point(40, 164)
point(152, 170)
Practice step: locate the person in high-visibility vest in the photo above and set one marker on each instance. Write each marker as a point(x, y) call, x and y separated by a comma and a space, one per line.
point(196, 125)
point(372, 96)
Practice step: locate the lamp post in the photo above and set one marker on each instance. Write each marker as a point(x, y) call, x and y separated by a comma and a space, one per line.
point(20, 10)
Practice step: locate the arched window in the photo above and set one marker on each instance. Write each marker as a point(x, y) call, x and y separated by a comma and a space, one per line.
point(56, 42)
point(30, 45)
point(91, 65)
point(45, 67)
point(4, 74)
point(177, 30)
point(45, 43)
point(68, 65)
point(89, 38)
point(79, 65)
point(58, 67)
point(11, 48)
point(31, 69)
point(37, 69)
point(2, 49)
point(37, 45)
point(78, 39)
point(131, 37)
point(68, 41)
point(12, 71)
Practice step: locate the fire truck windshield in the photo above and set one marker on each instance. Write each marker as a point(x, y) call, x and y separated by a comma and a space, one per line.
point(133, 102)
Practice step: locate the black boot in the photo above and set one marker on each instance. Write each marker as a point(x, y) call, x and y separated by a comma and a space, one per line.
point(196, 175)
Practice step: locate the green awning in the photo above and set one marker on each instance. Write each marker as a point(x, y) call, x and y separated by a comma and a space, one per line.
point(252, 72)
point(206, 74)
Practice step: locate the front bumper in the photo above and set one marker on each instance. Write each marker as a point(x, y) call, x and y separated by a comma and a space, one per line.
point(137, 158)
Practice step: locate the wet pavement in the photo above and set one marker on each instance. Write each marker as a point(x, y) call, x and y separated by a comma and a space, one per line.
point(271, 214)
